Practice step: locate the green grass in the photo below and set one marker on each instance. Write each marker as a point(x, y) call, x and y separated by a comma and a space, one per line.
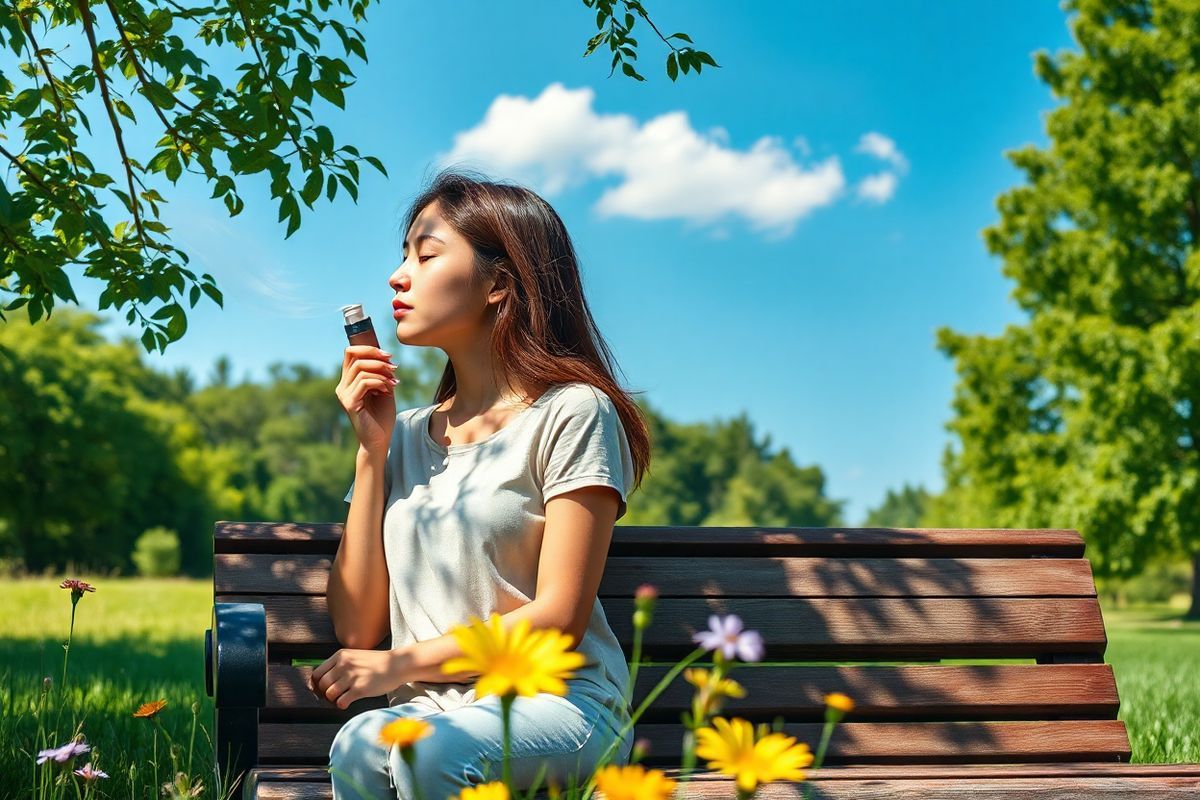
point(140, 640)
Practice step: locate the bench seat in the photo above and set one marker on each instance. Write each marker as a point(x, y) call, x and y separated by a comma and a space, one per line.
point(975, 657)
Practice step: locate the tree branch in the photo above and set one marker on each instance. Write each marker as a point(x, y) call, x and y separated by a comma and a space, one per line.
point(37, 51)
point(141, 74)
point(86, 17)
point(266, 76)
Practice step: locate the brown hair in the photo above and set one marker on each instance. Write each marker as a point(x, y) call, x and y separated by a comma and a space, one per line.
point(544, 332)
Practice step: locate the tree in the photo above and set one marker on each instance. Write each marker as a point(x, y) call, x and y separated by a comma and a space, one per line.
point(89, 458)
point(721, 473)
point(1086, 416)
point(902, 509)
point(134, 54)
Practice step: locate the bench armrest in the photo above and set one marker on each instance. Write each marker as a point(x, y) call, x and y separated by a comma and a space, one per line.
point(235, 676)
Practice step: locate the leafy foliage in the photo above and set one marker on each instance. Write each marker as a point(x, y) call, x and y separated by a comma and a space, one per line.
point(1085, 417)
point(137, 57)
point(97, 447)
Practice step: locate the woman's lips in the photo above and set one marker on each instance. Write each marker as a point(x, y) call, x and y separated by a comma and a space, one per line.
point(400, 311)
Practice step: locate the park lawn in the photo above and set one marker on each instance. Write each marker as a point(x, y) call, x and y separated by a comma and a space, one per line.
point(140, 640)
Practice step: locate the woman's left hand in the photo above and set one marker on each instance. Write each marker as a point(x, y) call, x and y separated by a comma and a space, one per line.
point(350, 675)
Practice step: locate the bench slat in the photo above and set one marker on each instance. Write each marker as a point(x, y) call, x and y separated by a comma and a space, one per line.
point(698, 576)
point(973, 692)
point(892, 629)
point(322, 537)
point(906, 782)
point(852, 742)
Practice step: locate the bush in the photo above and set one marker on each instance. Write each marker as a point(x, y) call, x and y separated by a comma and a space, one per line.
point(1157, 584)
point(156, 553)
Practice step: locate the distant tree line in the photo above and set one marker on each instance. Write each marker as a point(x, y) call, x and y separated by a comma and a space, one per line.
point(96, 448)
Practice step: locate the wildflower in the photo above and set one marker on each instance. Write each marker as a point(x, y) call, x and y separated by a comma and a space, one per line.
point(732, 747)
point(77, 588)
point(90, 774)
point(647, 591)
point(727, 637)
point(641, 749)
point(151, 709)
point(516, 662)
point(64, 753)
point(722, 687)
point(496, 790)
point(839, 701)
point(634, 782)
point(643, 605)
point(404, 732)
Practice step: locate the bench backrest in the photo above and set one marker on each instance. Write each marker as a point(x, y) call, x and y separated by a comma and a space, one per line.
point(834, 603)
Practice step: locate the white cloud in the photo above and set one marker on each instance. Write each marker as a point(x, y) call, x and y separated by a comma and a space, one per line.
point(878, 187)
point(666, 169)
point(881, 186)
point(884, 148)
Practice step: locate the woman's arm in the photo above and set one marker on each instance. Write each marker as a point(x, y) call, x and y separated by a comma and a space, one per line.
point(357, 591)
point(579, 529)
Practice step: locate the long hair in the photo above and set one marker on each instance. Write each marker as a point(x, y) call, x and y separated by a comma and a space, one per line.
point(544, 332)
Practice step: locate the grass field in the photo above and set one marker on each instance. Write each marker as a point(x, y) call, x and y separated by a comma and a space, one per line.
point(141, 640)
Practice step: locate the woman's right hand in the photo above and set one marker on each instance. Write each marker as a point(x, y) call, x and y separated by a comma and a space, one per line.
point(365, 392)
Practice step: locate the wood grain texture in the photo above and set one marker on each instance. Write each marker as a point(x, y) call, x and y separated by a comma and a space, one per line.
point(722, 576)
point(852, 742)
point(291, 537)
point(926, 692)
point(807, 629)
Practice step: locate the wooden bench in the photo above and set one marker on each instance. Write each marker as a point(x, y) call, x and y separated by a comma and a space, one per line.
point(1040, 719)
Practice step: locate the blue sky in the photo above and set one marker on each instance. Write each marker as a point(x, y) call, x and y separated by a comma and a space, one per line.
point(781, 236)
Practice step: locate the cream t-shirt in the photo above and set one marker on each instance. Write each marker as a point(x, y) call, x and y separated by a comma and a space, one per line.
point(463, 524)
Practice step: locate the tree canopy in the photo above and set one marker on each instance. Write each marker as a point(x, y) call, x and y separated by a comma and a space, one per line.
point(1086, 415)
point(138, 56)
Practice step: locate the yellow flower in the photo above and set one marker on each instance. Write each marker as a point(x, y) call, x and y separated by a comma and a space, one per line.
point(634, 782)
point(150, 709)
point(702, 679)
point(496, 790)
point(518, 662)
point(732, 749)
point(404, 732)
point(839, 701)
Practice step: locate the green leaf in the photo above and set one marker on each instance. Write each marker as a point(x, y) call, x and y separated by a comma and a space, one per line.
point(331, 187)
point(214, 293)
point(349, 186)
point(194, 295)
point(312, 187)
point(330, 92)
point(683, 36)
point(672, 67)
point(376, 163)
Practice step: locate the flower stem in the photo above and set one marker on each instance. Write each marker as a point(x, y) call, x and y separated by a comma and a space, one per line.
point(506, 702)
point(633, 666)
point(641, 709)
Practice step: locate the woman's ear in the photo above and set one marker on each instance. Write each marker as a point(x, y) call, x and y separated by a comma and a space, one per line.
point(501, 284)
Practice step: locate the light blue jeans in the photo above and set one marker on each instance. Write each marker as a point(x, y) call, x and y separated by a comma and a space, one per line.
point(466, 747)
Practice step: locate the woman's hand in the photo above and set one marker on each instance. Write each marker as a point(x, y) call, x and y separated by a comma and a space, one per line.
point(365, 392)
point(350, 675)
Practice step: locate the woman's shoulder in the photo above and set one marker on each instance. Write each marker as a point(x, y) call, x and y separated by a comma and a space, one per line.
point(578, 394)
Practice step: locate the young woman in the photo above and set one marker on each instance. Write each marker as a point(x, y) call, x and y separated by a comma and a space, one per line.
point(499, 497)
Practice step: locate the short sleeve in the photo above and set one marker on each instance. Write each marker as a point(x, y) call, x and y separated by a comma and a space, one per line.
point(587, 446)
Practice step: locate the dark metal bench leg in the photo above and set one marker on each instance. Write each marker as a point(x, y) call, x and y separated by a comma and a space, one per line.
point(236, 677)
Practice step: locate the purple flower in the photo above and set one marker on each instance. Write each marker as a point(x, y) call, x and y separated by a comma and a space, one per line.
point(727, 635)
point(89, 774)
point(63, 754)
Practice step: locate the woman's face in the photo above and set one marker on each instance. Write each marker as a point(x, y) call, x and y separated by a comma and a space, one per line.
point(437, 278)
